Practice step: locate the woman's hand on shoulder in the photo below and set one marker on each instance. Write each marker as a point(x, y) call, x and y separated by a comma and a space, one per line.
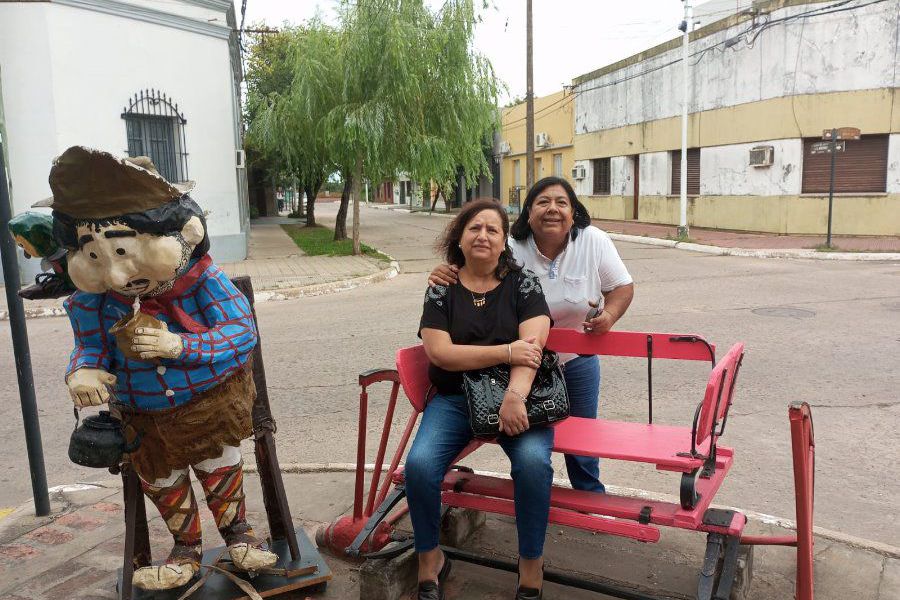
point(525, 353)
point(513, 414)
point(443, 274)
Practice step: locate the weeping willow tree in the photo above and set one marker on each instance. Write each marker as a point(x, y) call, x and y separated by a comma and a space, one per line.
point(395, 87)
point(415, 96)
point(292, 83)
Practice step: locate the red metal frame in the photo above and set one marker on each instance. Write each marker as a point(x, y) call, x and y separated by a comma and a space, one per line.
point(689, 450)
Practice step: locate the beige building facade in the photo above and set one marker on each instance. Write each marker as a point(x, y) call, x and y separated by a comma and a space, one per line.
point(553, 149)
point(763, 87)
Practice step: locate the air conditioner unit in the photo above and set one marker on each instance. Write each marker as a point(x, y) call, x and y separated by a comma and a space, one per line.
point(762, 156)
point(578, 172)
point(541, 140)
point(240, 159)
point(505, 148)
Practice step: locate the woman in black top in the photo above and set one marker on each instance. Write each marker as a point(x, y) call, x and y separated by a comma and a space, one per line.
point(495, 313)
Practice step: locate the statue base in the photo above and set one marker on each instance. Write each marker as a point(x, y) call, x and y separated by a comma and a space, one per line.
point(309, 573)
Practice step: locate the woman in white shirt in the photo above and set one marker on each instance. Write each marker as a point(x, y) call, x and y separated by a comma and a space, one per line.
point(579, 269)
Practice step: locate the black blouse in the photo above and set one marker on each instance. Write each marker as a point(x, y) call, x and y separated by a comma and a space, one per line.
point(516, 299)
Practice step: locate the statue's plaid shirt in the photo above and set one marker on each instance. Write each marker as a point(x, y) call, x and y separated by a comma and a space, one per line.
point(208, 358)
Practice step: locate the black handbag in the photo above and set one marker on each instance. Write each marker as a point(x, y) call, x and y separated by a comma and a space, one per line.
point(548, 400)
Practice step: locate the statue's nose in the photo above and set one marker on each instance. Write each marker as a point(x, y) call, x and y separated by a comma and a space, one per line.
point(119, 277)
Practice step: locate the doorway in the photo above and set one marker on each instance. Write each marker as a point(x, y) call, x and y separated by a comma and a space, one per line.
point(636, 170)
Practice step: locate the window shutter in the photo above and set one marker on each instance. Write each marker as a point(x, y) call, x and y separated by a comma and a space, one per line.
point(693, 172)
point(861, 168)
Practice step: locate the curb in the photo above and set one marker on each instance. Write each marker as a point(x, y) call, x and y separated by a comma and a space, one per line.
point(790, 253)
point(828, 534)
point(316, 289)
point(396, 208)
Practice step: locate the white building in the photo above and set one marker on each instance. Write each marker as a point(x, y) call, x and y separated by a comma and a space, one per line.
point(764, 84)
point(136, 77)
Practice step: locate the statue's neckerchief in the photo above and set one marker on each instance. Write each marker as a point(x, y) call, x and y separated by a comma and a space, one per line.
point(163, 303)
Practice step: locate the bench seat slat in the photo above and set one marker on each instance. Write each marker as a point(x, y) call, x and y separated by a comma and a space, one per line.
point(635, 442)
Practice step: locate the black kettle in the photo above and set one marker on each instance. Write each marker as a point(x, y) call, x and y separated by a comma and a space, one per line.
point(99, 441)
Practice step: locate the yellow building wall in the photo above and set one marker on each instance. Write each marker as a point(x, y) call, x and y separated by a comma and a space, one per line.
point(872, 111)
point(553, 115)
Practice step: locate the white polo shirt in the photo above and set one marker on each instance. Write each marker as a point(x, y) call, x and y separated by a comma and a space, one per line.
point(588, 267)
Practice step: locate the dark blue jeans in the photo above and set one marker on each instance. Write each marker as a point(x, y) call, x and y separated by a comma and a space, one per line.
point(443, 433)
point(582, 375)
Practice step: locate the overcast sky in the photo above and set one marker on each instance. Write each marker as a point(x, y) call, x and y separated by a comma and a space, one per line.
point(571, 37)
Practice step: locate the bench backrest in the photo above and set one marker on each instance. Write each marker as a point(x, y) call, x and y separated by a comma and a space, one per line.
point(412, 366)
point(412, 362)
point(719, 393)
point(632, 343)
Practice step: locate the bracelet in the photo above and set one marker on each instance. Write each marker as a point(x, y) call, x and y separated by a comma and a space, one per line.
point(509, 354)
point(515, 393)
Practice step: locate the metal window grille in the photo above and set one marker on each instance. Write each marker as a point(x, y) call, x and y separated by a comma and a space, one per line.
point(557, 165)
point(154, 127)
point(601, 176)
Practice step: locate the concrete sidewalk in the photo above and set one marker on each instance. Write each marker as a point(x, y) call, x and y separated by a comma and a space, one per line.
point(75, 552)
point(277, 267)
point(749, 240)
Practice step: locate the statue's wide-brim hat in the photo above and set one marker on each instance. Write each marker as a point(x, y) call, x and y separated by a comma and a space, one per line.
point(92, 184)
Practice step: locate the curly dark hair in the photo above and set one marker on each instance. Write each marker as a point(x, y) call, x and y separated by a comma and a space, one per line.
point(521, 229)
point(448, 244)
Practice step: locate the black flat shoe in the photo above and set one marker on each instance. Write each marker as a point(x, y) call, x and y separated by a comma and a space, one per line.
point(434, 590)
point(527, 593)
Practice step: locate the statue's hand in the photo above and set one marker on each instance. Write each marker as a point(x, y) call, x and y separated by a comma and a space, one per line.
point(157, 343)
point(88, 387)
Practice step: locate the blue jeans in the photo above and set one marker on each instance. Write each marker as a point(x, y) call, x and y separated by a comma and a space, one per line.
point(442, 435)
point(582, 375)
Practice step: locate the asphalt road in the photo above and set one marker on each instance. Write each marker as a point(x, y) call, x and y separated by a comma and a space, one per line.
point(824, 332)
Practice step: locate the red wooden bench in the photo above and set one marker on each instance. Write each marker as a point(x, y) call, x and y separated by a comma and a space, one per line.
point(692, 450)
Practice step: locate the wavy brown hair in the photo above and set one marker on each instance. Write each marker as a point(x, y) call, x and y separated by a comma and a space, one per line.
point(448, 244)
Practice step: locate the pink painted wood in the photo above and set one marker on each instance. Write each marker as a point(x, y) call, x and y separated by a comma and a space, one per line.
point(628, 343)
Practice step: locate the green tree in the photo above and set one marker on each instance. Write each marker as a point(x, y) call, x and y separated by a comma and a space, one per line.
point(292, 76)
point(415, 97)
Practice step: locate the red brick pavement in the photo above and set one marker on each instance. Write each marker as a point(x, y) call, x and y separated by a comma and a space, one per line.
point(743, 239)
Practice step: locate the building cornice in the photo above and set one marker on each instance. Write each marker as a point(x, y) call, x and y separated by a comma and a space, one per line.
point(150, 15)
point(221, 5)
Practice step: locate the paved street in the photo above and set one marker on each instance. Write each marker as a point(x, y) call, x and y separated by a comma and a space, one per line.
point(817, 331)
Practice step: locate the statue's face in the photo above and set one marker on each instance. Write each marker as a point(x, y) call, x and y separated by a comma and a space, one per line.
point(26, 246)
point(118, 258)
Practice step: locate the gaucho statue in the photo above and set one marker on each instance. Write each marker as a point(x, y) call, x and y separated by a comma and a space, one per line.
point(165, 338)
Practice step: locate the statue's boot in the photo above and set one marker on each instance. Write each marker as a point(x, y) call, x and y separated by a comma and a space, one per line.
point(224, 489)
point(178, 508)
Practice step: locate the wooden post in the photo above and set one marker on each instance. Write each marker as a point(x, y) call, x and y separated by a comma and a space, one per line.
point(278, 512)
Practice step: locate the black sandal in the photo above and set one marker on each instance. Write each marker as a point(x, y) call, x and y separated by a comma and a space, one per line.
point(527, 593)
point(434, 590)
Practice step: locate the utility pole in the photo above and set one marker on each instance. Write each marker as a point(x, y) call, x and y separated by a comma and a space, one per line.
point(21, 351)
point(529, 103)
point(683, 230)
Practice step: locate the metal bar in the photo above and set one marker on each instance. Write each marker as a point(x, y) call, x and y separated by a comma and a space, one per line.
point(729, 569)
point(398, 454)
point(803, 450)
point(21, 351)
point(382, 447)
point(650, 379)
point(550, 575)
point(766, 540)
point(377, 517)
point(360, 455)
point(714, 543)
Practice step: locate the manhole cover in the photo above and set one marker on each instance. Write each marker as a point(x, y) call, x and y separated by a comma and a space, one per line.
point(784, 311)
